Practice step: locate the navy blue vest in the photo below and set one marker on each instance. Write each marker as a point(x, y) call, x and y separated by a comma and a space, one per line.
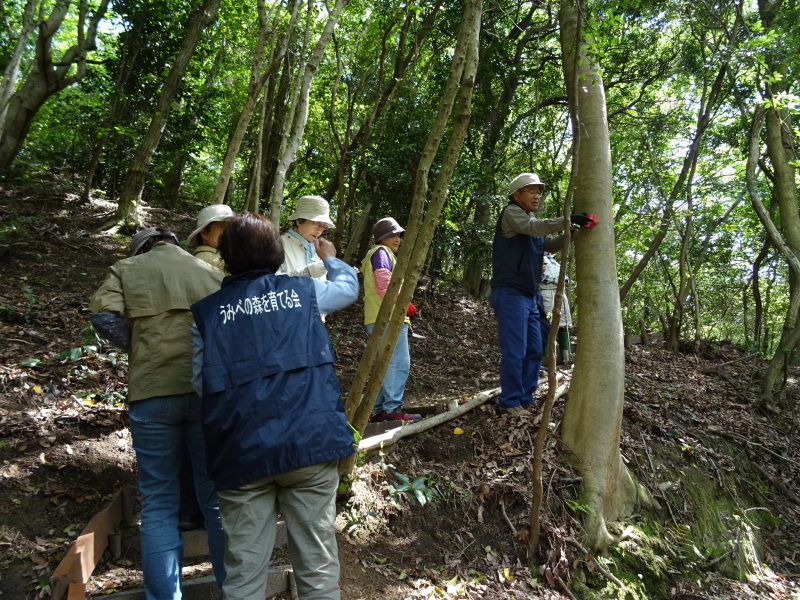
point(517, 261)
point(271, 399)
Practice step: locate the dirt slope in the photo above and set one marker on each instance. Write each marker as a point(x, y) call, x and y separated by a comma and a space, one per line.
point(725, 474)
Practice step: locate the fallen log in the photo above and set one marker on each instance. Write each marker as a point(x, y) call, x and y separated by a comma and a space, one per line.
point(390, 437)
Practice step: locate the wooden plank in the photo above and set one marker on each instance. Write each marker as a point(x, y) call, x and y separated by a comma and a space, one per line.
point(195, 542)
point(77, 591)
point(205, 588)
point(85, 552)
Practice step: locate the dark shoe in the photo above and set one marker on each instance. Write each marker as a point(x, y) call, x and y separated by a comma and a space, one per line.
point(190, 523)
point(515, 411)
point(395, 415)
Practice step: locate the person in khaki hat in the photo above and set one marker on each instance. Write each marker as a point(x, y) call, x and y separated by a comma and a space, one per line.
point(303, 243)
point(203, 241)
point(377, 268)
point(520, 240)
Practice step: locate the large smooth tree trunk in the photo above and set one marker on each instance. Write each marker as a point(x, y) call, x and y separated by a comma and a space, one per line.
point(593, 414)
point(125, 218)
point(48, 76)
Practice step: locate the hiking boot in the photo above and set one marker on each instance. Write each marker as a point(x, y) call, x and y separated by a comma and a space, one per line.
point(396, 415)
point(515, 411)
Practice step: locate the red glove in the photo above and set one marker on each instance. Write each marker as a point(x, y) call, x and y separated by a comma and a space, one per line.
point(411, 311)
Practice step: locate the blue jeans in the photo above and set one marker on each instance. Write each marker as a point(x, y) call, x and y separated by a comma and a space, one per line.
point(394, 382)
point(520, 340)
point(158, 427)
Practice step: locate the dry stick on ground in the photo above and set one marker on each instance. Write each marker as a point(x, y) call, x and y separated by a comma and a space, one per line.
point(718, 370)
point(655, 477)
point(600, 567)
point(391, 436)
point(736, 436)
point(564, 588)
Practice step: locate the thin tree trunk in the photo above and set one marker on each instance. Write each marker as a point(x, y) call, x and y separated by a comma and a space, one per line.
point(758, 309)
point(125, 70)
point(11, 72)
point(257, 82)
point(300, 113)
point(125, 217)
point(707, 108)
point(419, 232)
point(791, 330)
point(254, 183)
point(386, 87)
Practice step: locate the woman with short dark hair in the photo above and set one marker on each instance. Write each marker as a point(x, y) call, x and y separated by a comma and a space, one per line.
point(250, 243)
point(272, 410)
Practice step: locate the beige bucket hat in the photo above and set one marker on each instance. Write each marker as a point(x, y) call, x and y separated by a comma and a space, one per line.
point(520, 181)
point(313, 208)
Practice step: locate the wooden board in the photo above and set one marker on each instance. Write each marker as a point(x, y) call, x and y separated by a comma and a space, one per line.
point(205, 588)
point(82, 557)
point(195, 543)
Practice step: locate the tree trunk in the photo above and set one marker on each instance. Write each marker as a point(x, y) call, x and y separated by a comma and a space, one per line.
point(419, 231)
point(257, 81)
point(499, 76)
point(385, 87)
point(125, 70)
point(758, 308)
point(592, 420)
point(300, 113)
point(48, 77)
point(125, 218)
point(791, 329)
point(11, 72)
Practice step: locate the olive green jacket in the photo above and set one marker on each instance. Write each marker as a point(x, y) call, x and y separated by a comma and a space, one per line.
point(154, 291)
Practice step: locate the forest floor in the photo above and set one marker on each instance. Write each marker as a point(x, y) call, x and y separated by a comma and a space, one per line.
point(725, 474)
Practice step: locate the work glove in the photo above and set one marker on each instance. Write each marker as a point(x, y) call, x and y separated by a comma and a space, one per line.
point(411, 311)
point(583, 219)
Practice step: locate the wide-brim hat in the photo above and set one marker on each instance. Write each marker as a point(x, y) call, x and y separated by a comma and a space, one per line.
point(522, 180)
point(386, 228)
point(210, 214)
point(312, 208)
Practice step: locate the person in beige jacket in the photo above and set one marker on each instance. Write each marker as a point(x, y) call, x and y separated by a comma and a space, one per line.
point(152, 291)
point(203, 241)
point(303, 244)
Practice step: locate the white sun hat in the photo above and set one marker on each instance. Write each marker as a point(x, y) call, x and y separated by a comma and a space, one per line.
point(210, 214)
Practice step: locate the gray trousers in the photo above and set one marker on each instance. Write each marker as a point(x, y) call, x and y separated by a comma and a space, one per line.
point(548, 298)
point(307, 500)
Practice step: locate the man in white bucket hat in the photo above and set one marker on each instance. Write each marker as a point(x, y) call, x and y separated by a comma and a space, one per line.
point(520, 240)
point(303, 243)
point(204, 239)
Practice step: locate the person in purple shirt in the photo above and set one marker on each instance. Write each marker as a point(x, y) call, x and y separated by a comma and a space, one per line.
point(377, 268)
